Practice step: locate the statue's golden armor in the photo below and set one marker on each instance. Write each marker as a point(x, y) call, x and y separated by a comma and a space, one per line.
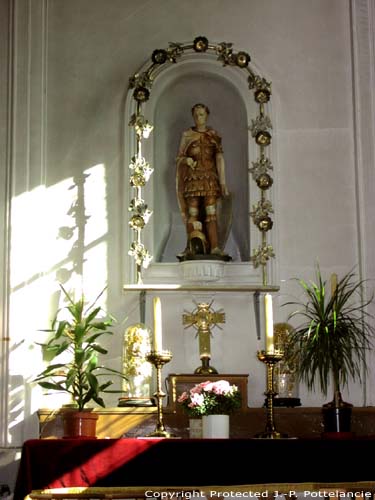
point(202, 179)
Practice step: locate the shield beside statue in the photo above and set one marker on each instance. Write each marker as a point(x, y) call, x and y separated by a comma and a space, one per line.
point(224, 217)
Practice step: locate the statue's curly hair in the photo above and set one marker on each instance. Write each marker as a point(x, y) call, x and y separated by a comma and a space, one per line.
point(200, 105)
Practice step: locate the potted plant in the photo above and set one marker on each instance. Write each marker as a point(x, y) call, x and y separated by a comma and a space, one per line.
point(330, 343)
point(214, 402)
point(77, 335)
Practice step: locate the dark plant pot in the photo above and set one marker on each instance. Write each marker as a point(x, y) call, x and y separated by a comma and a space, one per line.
point(337, 419)
point(79, 424)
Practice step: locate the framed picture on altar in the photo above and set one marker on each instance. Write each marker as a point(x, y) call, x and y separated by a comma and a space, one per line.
point(178, 383)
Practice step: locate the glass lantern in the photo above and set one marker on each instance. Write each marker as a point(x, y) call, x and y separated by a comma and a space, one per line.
point(285, 374)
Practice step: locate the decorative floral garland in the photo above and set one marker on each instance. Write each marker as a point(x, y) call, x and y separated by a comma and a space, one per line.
point(260, 129)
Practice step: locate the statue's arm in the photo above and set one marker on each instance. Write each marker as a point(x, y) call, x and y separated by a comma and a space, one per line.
point(181, 165)
point(220, 162)
point(182, 158)
point(220, 165)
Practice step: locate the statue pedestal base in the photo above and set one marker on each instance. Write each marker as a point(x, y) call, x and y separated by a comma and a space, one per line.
point(204, 257)
point(202, 270)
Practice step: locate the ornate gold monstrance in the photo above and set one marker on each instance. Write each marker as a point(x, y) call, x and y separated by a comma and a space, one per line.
point(203, 318)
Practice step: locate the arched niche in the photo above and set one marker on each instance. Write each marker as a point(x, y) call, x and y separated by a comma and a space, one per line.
point(175, 89)
point(172, 115)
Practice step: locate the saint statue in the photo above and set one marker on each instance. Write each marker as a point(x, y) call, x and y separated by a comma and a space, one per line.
point(200, 184)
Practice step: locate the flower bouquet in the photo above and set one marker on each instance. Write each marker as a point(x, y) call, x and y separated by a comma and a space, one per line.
point(211, 398)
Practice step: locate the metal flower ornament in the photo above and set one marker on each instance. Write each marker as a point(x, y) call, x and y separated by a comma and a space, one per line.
point(260, 129)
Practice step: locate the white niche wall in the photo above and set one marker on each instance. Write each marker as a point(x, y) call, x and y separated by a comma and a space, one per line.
point(197, 78)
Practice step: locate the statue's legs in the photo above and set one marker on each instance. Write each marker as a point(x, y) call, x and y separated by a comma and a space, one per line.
point(193, 211)
point(211, 224)
point(202, 235)
point(197, 243)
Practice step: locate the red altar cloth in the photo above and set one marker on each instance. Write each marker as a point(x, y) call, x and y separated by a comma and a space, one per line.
point(63, 463)
point(73, 462)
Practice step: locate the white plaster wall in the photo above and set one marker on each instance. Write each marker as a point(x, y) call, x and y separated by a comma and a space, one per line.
point(71, 66)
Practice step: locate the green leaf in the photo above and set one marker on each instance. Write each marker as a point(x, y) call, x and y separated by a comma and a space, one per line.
point(93, 363)
point(99, 401)
point(52, 385)
point(93, 382)
point(50, 369)
point(104, 386)
point(92, 316)
point(100, 349)
point(79, 356)
point(101, 325)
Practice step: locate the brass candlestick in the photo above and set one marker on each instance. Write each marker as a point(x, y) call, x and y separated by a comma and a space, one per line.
point(270, 359)
point(159, 359)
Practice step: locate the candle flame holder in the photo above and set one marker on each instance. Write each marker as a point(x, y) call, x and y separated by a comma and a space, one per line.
point(159, 359)
point(270, 359)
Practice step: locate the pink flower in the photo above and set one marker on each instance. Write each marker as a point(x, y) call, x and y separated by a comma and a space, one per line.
point(205, 384)
point(184, 396)
point(211, 398)
point(219, 387)
point(195, 390)
point(196, 400)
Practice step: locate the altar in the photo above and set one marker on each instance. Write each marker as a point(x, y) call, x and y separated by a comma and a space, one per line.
point(64, 463)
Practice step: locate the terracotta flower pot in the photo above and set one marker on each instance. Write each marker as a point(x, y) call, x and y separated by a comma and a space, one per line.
point(79, 424)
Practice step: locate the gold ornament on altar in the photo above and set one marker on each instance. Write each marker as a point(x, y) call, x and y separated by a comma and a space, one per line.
point(203, 318)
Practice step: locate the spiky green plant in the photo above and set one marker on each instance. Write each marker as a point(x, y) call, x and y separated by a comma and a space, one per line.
point(335, 331)
point(78, 336)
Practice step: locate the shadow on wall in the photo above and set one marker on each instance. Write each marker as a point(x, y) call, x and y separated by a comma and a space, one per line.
point(75, 232)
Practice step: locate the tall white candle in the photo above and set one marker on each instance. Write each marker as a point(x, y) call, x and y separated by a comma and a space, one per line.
point(268, 312)
point(157, 325)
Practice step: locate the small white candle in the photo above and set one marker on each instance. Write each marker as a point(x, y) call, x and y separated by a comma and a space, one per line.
point(268, 313)
point(157, 325)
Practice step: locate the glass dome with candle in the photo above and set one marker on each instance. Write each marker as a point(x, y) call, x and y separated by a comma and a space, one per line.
point(285, 374)
point(138, 372)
